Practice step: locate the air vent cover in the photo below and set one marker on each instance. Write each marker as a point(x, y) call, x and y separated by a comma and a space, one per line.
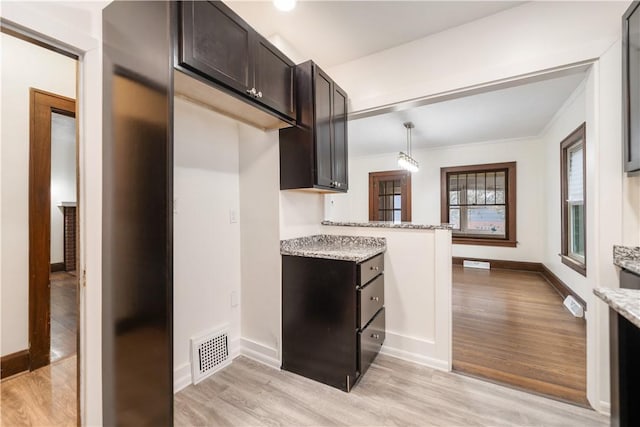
point(209, 353)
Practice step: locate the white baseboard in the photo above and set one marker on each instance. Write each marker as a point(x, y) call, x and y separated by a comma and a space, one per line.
point(605, 408)
point(181, 377)
point(413, 350)
point(260, 353)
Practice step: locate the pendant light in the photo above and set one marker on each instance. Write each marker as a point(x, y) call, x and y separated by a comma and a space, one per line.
point(405, 161)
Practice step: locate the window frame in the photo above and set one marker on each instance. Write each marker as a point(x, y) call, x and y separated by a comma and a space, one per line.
point(510, 203)
point(405, 177)
point(577, 136)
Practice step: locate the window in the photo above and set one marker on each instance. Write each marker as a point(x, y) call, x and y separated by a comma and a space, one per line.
point(480, 202)
point(574, 232)
point(390, 196)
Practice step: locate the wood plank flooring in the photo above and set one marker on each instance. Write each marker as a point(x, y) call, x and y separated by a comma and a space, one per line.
point(44, 397)
point(511, 327)
point(392, 393)
point(64, 315)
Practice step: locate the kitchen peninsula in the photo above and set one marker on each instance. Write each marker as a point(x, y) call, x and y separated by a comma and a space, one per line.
point(417, 287)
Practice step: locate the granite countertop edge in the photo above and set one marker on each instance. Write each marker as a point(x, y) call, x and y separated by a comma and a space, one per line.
point(341, 248)
point(334, 256)
point(384, 224)
point(624, 301)
point(627, 257)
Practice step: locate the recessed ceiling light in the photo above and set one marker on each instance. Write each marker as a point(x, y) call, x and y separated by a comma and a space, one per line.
point(284, 5)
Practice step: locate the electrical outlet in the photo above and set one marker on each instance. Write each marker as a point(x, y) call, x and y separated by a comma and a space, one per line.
point(233, 216)
point(234, 299)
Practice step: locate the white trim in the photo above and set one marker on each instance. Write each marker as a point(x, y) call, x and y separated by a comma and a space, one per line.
point(181, 377)
point(260, 353)
point(414, 350)
point(36, 22)
point(419, 359)
point(604, 408)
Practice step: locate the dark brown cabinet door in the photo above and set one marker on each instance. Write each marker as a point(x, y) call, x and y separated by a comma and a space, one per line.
point(314, 153)
point(274, 78)
point(216, 43)
point(323, 140)
point(340, 174)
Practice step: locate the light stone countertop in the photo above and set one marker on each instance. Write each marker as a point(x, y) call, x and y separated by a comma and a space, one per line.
point(344, 248)
point(624, 301)
point(627, 257)
point(388, 224)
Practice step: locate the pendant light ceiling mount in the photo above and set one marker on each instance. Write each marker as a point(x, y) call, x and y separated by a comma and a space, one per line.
point(405, 161)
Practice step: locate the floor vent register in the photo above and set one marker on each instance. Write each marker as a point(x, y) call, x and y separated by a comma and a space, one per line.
point(209, 353)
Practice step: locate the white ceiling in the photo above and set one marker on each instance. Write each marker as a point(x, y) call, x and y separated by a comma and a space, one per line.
point(516, 112)
point(335, 32)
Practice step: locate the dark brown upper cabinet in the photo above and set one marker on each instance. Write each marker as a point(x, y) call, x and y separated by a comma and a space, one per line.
point(314, 153)
point(631, 87)
point(215, 43)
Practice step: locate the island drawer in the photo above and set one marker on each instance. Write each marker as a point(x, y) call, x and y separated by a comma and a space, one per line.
point(370, 300)
point(370, 341)
point(370, 269)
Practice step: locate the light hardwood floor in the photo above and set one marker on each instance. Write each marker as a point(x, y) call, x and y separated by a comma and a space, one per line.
point(392, 393)
point(44, 397)
point(511, 327)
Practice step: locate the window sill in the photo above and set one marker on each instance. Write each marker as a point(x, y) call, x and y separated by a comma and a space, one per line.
point(483, 242)
point(574, 265)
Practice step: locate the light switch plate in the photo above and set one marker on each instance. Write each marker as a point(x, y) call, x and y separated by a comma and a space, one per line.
point(233, 216)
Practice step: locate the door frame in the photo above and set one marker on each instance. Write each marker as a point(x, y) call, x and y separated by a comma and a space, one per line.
point(405, 178)
point(41, 105)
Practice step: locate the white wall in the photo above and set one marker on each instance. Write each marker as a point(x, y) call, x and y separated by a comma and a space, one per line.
point(24, 65)
point(63, 178)
point(206, 243)
point(260, 236)
point(571, 115)
point(425, 197)
point(301, 213)
point(525, 39)
point(611, 229)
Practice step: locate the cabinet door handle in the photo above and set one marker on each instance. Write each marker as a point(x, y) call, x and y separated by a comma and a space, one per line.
point(376, 268)
point(375, 336)
point(375, 299)
point(252, 91)
point(259, 94)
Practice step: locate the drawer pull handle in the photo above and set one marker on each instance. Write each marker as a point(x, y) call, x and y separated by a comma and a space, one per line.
point(375, 336)
point(376, 268)
point(375, 298)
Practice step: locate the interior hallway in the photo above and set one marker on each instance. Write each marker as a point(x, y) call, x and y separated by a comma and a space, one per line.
point(511, 327)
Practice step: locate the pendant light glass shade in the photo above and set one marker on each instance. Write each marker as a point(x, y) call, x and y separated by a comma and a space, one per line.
point(405, 161)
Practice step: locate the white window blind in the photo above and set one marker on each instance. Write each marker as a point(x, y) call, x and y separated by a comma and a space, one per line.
point(575, 174)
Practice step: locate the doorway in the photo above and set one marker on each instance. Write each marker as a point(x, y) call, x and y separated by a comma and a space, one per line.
point(53, 311)
point(40, 238)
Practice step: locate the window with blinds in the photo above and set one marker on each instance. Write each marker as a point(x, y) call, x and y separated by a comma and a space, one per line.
point(574, 204)
point(479, 202)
